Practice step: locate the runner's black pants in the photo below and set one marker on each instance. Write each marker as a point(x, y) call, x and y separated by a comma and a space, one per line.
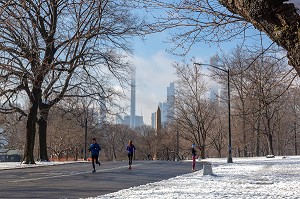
point(94, 159)
point(130, 156)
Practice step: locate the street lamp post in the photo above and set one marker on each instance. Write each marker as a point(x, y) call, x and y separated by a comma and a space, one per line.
point(229, 158)
point(85, 137)
point(86, 109)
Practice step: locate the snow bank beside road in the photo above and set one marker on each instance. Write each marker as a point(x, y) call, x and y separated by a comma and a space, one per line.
point(19, 165)
point(245, 178)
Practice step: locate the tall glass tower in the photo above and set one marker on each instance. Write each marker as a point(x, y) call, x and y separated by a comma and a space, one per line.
point(132, 100)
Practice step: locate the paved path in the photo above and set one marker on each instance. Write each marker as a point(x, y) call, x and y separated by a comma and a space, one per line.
point(77, 181)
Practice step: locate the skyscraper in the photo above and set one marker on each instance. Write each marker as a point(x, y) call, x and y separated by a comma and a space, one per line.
point(132, 100)
point(166, 108)
point(103, 110)
point(153, 120)
point(170, 101)
point(132, 120)
point(170, 91)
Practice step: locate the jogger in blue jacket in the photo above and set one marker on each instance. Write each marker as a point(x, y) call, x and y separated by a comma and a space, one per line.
point(95, 149)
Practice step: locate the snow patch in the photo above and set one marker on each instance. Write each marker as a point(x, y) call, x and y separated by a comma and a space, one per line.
point(20, 165)
point(254, 178)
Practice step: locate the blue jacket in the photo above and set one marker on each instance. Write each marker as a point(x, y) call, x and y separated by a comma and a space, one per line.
point(130, 148)
point(95, 149)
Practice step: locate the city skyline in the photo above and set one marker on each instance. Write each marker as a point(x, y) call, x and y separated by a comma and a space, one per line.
point(154, 70)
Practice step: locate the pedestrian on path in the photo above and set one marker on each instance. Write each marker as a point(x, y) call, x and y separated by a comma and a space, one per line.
point(95, 149)
point(194, 157)
point(131, 149)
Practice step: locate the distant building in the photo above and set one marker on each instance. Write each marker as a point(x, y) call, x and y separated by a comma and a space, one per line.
point(158, 121)
point(132, 120)
point(153, 120)
point(138, 120)
point(166, 108)
point(164, 112)
point(132, 101)
point(127, 120)
point(170, 91)
point(170, 101)
point(102, 110)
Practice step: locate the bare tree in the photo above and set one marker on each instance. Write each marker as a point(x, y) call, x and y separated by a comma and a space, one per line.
point(237, 61)
point(219, 135)
point(50, 48)
point(293, 107)
point(271, 90)
point(114, 139)
point(12, 135)
point(194, 113)
point(223, 20)
point(196, 21)
point(259, 82)
point(65, 138)
point(279, 20)
point(286, 132)
point(146, 141)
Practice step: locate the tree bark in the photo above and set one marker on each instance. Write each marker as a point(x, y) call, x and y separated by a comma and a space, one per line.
point(202, 152)
point(219, 153)
point(245, 151)
point(257, 144)
point(30, 135)
point(43, 123)
point(295, 138)
point(278, 20)
point(270, 144)
point(43, 139)
point(31, 128)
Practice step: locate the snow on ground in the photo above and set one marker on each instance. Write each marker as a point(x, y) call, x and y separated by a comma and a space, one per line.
point(254, 178)
point(19, 165)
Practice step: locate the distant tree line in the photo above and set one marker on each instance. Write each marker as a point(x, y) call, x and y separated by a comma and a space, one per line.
point(264, 104)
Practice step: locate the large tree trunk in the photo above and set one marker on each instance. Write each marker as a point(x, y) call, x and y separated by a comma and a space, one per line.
point(31, 128)
point(245, 151)
point(279, 21)
point(295, 138)
point(257, 144)
point(270, 144)
point(43, 139)
point(202, 152)
point(44, 112)
point(30, 135)
point(219, 153)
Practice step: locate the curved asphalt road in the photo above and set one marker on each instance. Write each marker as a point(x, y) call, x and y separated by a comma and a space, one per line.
point(77, 181)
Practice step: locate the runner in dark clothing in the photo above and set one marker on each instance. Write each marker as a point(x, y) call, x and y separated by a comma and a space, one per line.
point(95, 149)
point(130, 148)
